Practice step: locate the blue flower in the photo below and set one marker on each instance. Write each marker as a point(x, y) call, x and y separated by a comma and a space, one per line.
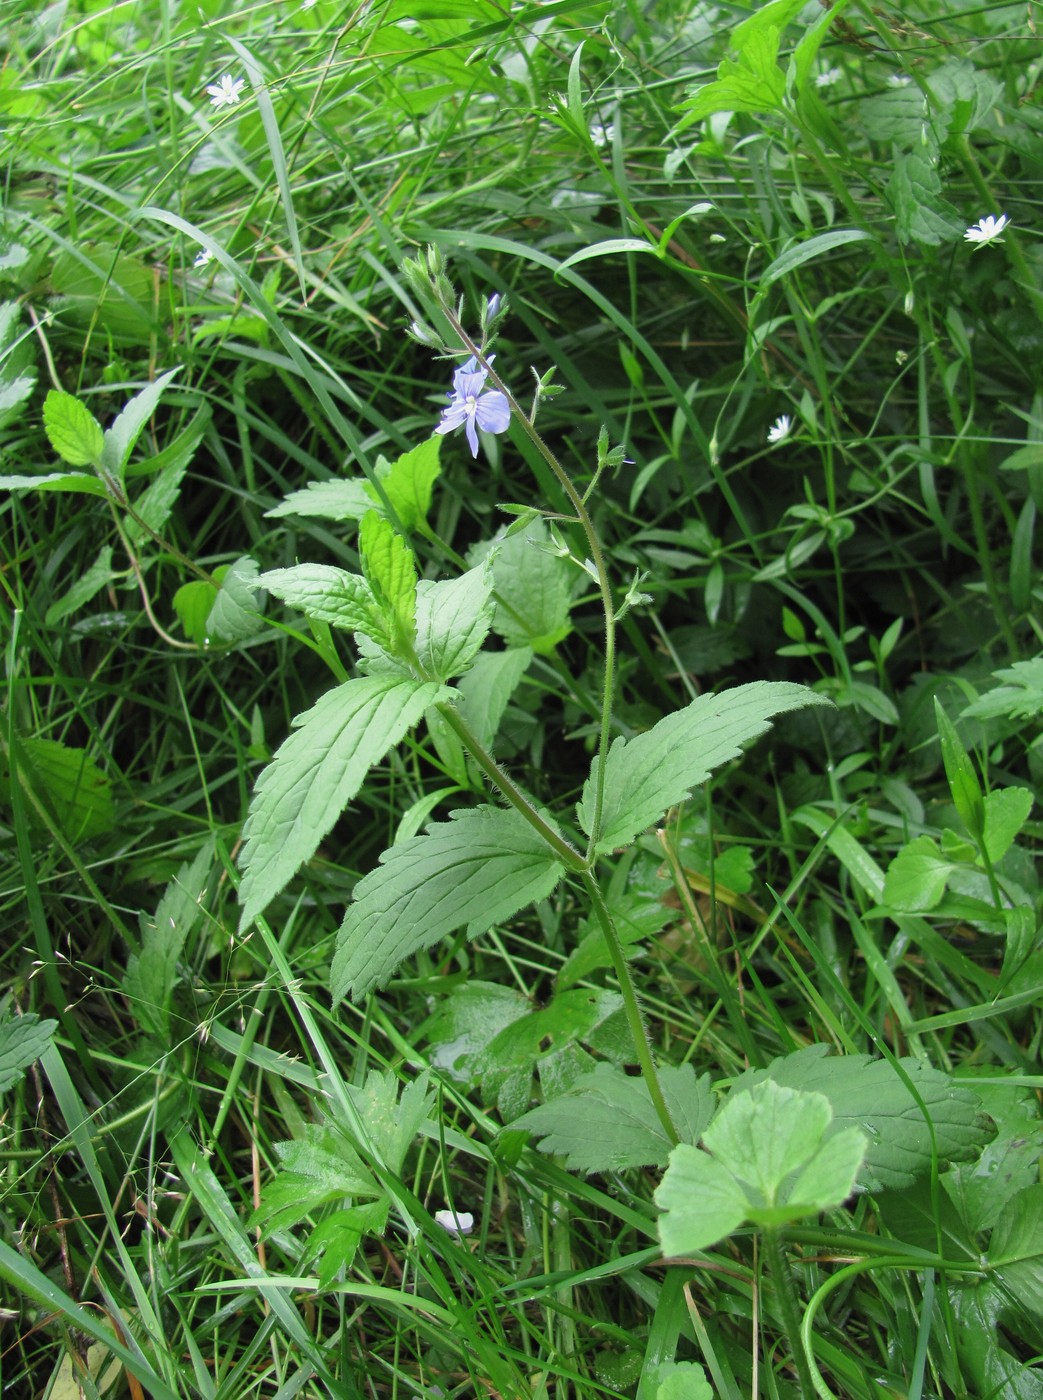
point(471, 403)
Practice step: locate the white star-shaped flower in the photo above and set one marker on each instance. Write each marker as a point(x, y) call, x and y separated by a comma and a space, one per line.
point(829, 77)
point(987, 230)
point(203, 257)
point(461, 1223)
point(225, 92)
point(780, 429)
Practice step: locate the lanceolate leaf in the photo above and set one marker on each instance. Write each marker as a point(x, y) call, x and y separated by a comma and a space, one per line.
point(317, 771)
point(646, 775)
point(390, 569)
point(452, 621)
point(470, 872)
point(152, 974)
point(236, 610)
point(329, 594)
point(125, 431)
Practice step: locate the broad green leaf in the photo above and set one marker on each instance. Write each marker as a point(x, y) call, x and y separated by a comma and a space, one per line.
point(410, 480)
point(125, 431)
point(192, 602)
point(72, 430)
point(23, 1039)
point(486, 688)
point(466, 1021)
point(653, 771)
point(452, 621)
point(328, 500)
point(329, 594)
point(872, 1095)
point(392, 1121)
point(152, 973)
point(636, 918)
point(809, 249)
point(470, 872)
point(916, 878)
point(317, 771)
point(967, 93)
point(390, 570)
point(981, 1189)
point(56, 481)
point(959, 770)
point(534, 589)
point(982, 1336)
point(606, 1121)
point(1015, 1253)
point(236, 612)
point(155, 503)
point(84, 589)
point(1021, 698)
point(678, 1380)
point(921, 214)
point(895, 117)
point(335, 1242)
point(115, 292)
point(319, 1167)
point(17, 370)
point(74, 789)
point(1006, 812)
point(771, 1162)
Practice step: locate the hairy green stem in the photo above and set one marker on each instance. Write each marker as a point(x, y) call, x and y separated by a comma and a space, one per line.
point(631, 1007)
point(786, 1298)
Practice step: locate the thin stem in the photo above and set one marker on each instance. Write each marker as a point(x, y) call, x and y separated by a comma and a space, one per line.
point(786, 1298)
point(631, 1007)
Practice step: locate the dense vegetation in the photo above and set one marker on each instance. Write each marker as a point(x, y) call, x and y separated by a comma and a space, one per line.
point(552, 912)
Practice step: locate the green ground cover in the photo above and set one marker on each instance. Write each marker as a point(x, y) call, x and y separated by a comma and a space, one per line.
point(550, 911)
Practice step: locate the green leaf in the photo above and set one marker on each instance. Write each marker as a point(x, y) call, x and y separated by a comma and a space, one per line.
point(328, 500)
point(125, 431)
point(23, 1039)
point(534, 589)
point(335, 1242)
point(636, 918)
point(606, 1121)
point(470, 872)
point(236, 612)
point(409, 482)
point(809, 249)
point(321, 1166)
point(74, 789)
point(72, 430)
point(873, 1095)
point(390, 570)
point(1021, 698)
point(679, 1380)
point(56, 481)
point(770, 1162)
point(1006, 812)
point(467, 1021)
point(921, 215)
point(151, 973)
point(317, 771)
point(916, 878)
point(981, 1333)
point(453, 618)
point(1016, 1249)
point(647, 774)
point(84, 589)
point(981, 1189)
point(486, 688)
point(392, 1122)
point(192, 603)
point(326, 593)
point(963, 781)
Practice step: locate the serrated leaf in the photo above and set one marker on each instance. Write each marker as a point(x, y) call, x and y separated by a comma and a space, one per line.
point(151, 973)
point(320, 1166)
point(328, 500)
point(468, 1019)
point(1021, 698)
point(23, 1039)
point(76, 792)
point(1016, 1249)
point(317, 771)
point(916, 878)
point(390, 570)
point(534, 589)
point(409, 482)
point(873, 1096)
point(701, 1200)
point(335, 1242)
point(636, 918)
point(486, 688)
point(896, 116)
point(921, 214)
point(679, 1380)
point(84, 589)
point(192, 603)
point(981, 1189)
point(471, 872)
point(152, 508)
point(981, 1333)
point(392, 1121)
point(959, 771)
point(453, 618)
point(55, 481)
point(236, 612)
point(647, 774)
point(123, 434)
point(606, 1121)
point(329, 594)
point(72, 430)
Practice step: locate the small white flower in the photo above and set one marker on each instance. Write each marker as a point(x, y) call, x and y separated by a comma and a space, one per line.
point(987, 230)
point(225, 92)
point(599, 134)
point(780, 429)
point(829, 77)
point(898, 80)
point(203, 257)
point(461, 1223)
